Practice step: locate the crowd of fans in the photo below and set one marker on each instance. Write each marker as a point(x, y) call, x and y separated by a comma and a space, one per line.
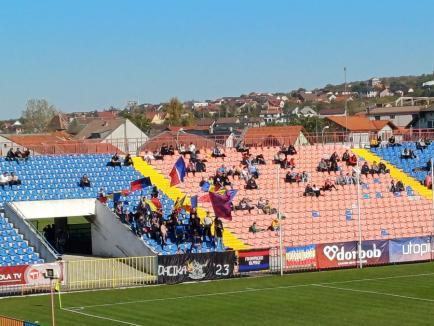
point(148, 220)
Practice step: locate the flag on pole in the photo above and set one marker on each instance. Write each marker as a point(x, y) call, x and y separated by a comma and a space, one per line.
point(57, 288)
point(179, 203)
point(221, 205)
point(178, 172)
point(204, 198)
point(140, 184)
point(116, 196)
point(194, 200)
point(151, 205)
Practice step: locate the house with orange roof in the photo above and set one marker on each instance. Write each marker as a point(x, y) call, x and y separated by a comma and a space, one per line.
point(275, 136)
point(360, 129)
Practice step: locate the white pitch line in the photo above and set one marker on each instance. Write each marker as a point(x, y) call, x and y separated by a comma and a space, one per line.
point(100, 317)
point(247, 290)
point(373, 292)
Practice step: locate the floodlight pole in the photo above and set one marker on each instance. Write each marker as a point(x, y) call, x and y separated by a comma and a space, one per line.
point(432, 203)
point(358, 173)
point(279, 215)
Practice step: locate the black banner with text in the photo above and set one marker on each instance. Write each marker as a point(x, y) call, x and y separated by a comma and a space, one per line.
point(195, 267)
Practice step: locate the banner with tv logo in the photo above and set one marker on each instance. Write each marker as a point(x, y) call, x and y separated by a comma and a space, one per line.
point(28, 274)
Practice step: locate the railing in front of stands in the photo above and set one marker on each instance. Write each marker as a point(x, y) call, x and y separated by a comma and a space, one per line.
point(136, 146)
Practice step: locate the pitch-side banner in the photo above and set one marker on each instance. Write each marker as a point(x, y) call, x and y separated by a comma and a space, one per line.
point(303, 257)
point(195, 267)
point(345, 254)
point(27, 274)
point(410, 249)
point(253, 260)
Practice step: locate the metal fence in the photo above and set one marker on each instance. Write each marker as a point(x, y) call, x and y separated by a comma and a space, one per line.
point(109, 273)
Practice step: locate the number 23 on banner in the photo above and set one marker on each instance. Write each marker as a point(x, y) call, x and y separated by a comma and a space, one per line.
point(222, 270)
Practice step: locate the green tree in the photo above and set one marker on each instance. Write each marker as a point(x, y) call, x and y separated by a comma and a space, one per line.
point(140, 120)
point(175, 111)
point(37, 115)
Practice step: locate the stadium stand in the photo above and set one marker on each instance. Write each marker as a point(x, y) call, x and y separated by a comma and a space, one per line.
point(417, 167)
point(14, 250)
point(331, 217)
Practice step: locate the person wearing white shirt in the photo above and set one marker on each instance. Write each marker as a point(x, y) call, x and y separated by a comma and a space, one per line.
point(192, 148)
point(4, 180)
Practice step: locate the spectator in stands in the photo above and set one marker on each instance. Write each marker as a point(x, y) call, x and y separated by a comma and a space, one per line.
point(259, 159)
point(375, 168)
point(291, 150)
point(393, 142)
point(334, 159)
point(26, 155)
point(261, 203)
point(244, 205)
point(14, 180)
point(396, 187)
point(218, 232)
point(18, 154)
point(304, 176)
point(352, 161)
point(191, 167)
point(421, 144)
point(200, 165)
point(241, 148)
point(428, 181)
point(128, 161)
point(254, 228)
point(115, 161)
point(251, 184)
point(253, 171)
point(328, 186)
point(346, 156)
point(267, 209)
point(407, 154)
point(167, 150)
point(216, 152)
point(102, 196)
point(382, 168)
point(84, 181)
point(365, 170)
point(312, 191)
point(181, 149)
point(192, 148)
point(4, 180)
point(323, 166)
point(275, 225)
point(341, 179)
point(149, 157)
point(374, 143)
point(207, 224)
point(163, 234)
point(292, 177)
point(278, 158)
point(316, 190)
point(10, 156)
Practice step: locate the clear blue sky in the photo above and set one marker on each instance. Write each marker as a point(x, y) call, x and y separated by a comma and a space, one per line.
point(89, 54)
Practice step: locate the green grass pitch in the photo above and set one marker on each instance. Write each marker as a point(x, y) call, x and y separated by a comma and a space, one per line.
point(390, 295)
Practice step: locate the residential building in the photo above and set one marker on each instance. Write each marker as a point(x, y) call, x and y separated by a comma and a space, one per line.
point(424, 120)
point(305, 111)
point(360, 128)
point(340, 111)
point(401, 116)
